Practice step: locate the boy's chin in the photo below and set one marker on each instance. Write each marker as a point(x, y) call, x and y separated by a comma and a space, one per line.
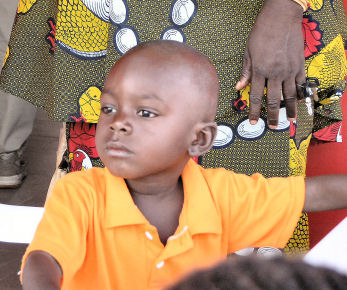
point(124, 173)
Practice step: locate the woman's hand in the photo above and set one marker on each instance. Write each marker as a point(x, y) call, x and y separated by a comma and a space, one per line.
point(274, 58)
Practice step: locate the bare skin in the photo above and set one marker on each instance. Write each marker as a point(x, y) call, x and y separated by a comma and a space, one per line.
point(326, 192)
point(41, 271)
point(168, 204)
point(274, 58)
point(151, 124)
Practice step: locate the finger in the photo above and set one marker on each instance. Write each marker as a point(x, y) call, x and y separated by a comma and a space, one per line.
point(255, 98)
point(290, 98)
point(274, 93)
point(246, 73)
point(300, 80)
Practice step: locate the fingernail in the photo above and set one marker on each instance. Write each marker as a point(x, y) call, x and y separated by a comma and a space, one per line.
point(273, 127)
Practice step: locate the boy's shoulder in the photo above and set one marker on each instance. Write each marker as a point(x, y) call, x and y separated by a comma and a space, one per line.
point(94, 181)
point(90, 176)
point(218, 181)
point(88, 189)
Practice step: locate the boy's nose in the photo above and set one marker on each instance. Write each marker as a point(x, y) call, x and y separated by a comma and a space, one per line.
point(121, 126)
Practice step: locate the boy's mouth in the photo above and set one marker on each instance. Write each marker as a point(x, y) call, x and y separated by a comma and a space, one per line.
point(116, 149)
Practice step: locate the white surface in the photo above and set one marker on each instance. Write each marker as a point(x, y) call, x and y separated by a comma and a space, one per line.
point(18, 223)
point(331, 251)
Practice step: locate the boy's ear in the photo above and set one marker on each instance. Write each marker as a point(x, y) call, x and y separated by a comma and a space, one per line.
point(205, 134)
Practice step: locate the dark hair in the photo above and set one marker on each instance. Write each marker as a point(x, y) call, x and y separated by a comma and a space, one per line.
point(257, 273)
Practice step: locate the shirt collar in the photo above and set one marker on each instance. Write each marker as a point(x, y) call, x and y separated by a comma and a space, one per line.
point(199, 210)
point(120, 209)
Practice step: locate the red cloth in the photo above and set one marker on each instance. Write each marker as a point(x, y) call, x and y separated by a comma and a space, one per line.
point(327, 158)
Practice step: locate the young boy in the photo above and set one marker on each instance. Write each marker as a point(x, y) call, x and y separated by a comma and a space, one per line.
point(153, 214)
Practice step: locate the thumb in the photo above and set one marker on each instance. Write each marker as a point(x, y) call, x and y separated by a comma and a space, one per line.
point(246, 73)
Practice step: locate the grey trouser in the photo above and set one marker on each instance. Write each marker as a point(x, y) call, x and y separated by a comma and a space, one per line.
point(16, 116)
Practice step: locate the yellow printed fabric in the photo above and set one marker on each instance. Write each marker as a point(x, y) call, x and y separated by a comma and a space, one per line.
point(61, 50)
point(25, 5)
point(303, 3)
point(89, 103)
point(6, 55)
point(80, 30)
point(316, 4)
point(297, 166)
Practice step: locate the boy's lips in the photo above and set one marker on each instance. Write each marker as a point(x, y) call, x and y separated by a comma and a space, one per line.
point(118, 150)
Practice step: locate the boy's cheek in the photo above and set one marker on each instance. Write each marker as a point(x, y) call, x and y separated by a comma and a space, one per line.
point(98, 141)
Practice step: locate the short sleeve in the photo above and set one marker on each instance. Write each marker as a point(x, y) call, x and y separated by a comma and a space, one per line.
point(263, 211)
point(63, 228)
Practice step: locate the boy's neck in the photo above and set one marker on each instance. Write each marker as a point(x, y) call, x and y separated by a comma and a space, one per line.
point(160, 203)
point(151, 188)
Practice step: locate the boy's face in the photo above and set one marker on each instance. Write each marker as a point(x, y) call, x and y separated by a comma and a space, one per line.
point(147, 120)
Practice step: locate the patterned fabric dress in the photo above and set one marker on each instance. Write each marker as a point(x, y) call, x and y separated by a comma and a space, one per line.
point(61, 50)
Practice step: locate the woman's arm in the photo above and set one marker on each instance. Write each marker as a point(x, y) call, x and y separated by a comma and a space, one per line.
point(326, 192)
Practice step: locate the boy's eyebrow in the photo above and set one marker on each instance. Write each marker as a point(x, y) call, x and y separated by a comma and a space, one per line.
point(103, 92)
point(152, 96)
point(147, 96)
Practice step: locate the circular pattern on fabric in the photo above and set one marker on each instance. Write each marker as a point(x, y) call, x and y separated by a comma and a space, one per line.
point(225, 136)
point(118, 12)
point(99, 8)
point(246, 131)
point(283, 123)
point(245, 252)
point(125, 38)
point(172, 33)
point(269, 252)
point(182, 12)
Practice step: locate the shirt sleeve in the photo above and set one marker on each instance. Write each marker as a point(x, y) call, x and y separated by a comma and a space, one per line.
point(263, 211)
point(62, 230)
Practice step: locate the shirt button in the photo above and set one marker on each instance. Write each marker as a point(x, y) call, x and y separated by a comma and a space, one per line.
point(160, 264)
point(149, 236)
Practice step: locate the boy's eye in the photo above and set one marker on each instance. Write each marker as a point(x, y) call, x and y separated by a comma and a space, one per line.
point(108, 110)
point(146, 114)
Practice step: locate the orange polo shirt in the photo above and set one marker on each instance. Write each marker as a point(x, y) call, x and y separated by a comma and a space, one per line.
point(101, 240)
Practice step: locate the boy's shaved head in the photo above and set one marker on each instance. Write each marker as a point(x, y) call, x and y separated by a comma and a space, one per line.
point(158, 108)
point(183, 63)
